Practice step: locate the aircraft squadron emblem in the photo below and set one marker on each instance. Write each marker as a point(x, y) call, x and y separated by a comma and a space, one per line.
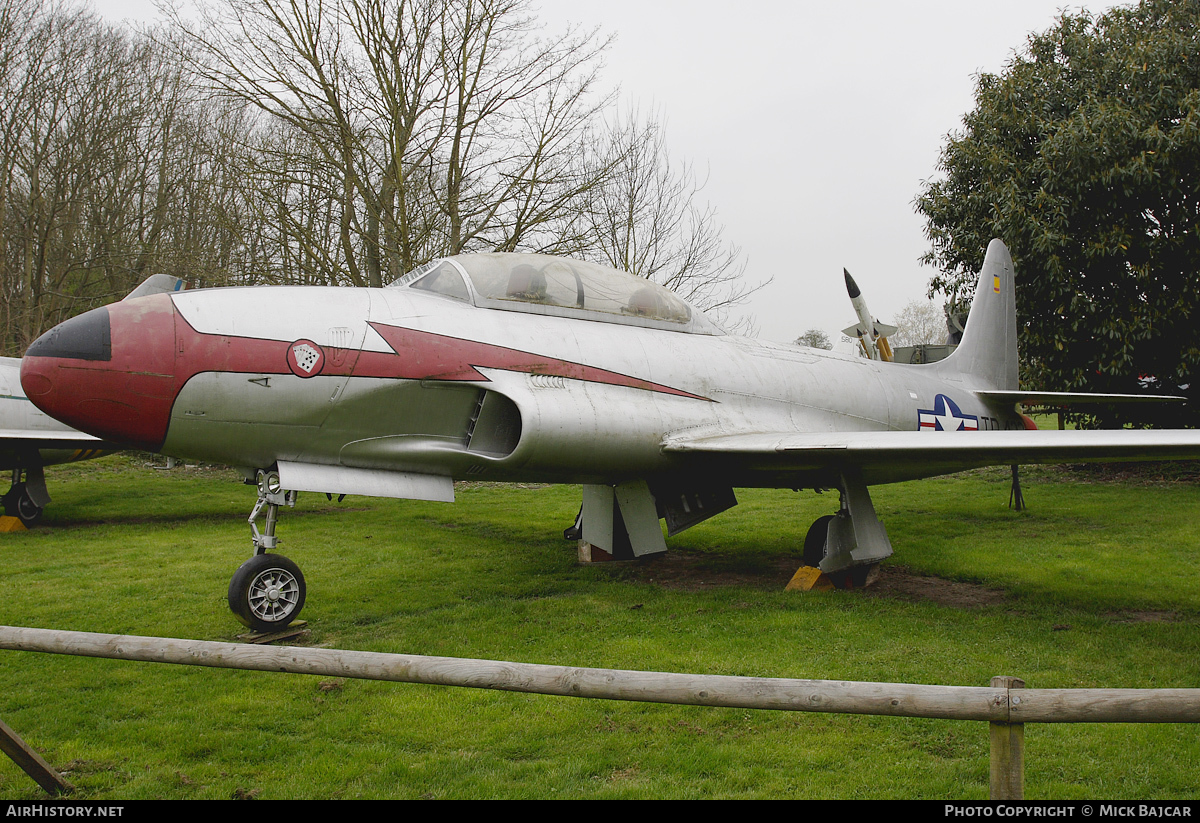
point(305, 358)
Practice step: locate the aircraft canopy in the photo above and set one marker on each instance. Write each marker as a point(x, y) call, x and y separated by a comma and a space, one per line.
point(542, 284)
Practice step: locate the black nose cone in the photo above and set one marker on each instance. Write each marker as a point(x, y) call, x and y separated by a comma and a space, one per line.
point(86, 337)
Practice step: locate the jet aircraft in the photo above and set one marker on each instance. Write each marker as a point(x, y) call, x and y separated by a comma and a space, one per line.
point(30, 441)
point(522, 367)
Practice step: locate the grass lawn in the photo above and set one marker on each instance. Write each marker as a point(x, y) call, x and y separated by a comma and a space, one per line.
point(1093, 586)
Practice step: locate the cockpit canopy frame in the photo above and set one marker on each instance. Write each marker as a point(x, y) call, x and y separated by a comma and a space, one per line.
point(557, 287)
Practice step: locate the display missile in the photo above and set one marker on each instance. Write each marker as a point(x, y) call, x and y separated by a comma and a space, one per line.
point(868, 330)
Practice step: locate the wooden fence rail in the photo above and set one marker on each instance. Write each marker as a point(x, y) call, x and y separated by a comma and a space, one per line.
point(1002, 704)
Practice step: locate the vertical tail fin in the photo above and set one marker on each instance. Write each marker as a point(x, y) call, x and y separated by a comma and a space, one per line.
point(988, 350)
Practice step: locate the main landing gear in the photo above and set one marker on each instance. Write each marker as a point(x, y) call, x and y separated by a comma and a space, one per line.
point(848, 546)
point(26, 499)
point(267, 591)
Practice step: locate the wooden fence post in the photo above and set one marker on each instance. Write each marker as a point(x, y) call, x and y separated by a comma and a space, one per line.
point(1007, 760)
point(32, 763)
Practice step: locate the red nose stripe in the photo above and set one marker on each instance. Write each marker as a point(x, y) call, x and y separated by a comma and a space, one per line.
point(429, 356)
point(126, 399)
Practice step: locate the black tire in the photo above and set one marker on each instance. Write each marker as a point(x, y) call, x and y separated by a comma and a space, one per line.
point(814, 541)
point(18, 503)
point(855, 577)
point(267, 592)
point(863, 576)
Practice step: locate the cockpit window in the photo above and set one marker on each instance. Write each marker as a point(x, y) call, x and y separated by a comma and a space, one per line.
point(541, 284)
point(443, 279)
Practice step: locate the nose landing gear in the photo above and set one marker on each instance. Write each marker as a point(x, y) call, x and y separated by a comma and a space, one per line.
point(267, 591)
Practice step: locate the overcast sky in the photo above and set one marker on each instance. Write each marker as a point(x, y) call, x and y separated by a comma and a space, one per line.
point(815, 123)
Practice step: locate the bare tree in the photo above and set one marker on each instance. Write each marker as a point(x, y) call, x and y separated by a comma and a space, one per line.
point(645, 217)
point(436, 126)
point(419, 128)
point(69, 84)
point(348, 142)
point(815, 339)
point(18, 24)
point(112, 169)
point(920, 322)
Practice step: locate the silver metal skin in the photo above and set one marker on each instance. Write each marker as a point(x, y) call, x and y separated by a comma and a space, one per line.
point(571, 430)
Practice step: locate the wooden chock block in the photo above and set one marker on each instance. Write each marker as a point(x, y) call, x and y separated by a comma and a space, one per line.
point(11, 524)
point(294, 629)
point(593, 554)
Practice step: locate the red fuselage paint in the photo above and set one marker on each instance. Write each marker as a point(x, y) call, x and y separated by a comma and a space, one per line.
point(128, 398)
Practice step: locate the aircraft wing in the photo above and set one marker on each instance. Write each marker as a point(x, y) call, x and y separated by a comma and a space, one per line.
point(1065, 398)
point(887, 456)
point(41, 439)
point(32, 449)
point(55, 439)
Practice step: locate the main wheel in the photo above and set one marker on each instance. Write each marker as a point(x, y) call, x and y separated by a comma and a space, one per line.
point(814, 541)
point(856, 577)
point(267, 592)
point(18, 503)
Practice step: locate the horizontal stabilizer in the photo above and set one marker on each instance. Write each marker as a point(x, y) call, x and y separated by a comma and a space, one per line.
point(313, 477)
point(1066, 398)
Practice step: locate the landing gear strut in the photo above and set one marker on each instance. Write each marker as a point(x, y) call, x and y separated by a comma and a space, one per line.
point(26, 499)
point(848, 546)
point(267, 591)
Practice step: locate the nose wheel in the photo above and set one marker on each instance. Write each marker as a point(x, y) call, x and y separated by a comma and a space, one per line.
point(267, 591)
